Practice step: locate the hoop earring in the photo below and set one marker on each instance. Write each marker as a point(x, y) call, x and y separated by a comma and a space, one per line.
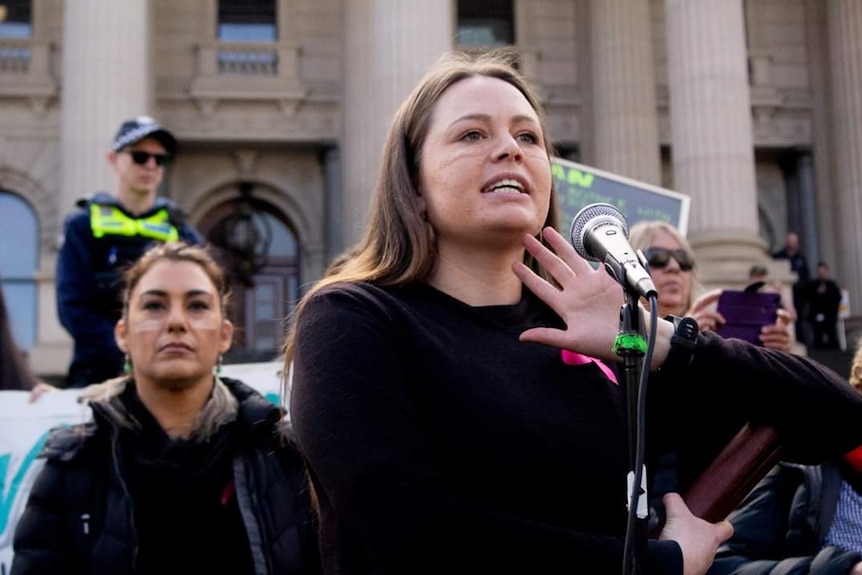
point(127, 364)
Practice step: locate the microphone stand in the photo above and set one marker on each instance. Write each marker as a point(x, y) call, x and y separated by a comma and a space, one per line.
point(631, 346)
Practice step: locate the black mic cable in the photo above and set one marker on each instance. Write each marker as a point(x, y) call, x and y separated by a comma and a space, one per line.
point(632, 533)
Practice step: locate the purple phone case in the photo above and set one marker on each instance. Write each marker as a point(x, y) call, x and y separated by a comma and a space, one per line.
point(746, 312)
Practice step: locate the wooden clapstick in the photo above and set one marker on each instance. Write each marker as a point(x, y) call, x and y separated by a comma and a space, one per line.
point(743, 462)
point(722, 486)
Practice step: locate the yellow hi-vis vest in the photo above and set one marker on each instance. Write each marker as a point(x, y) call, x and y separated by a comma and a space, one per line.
point(110, 220)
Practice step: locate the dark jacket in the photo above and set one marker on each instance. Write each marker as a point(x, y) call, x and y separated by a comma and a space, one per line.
point(824, 300)
point(798, 265)
point(89, 285)
point(782, 524)
point(81, 518)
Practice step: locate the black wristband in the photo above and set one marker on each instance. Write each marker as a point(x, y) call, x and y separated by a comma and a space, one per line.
point(683, 343)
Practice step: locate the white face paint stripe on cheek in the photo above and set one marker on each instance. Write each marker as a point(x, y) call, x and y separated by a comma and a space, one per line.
point(147, 325)
point(208, 323)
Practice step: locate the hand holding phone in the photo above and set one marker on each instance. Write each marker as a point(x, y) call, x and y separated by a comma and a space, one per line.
point(746, 312)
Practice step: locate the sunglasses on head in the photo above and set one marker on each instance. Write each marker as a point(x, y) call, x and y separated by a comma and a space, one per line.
point(660, 257)
point(141, 158)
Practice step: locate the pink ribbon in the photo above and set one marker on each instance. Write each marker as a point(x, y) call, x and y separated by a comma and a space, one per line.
point(575, 358)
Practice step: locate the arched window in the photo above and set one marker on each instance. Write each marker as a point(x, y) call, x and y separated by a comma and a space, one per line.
point(264, 276)
point(19, 260)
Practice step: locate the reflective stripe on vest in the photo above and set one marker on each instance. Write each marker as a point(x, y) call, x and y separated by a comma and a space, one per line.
point(110, 220)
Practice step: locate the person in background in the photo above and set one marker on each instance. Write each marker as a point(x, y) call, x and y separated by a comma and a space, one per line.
point(444, 421)
point(856, 368)
point(15, 372)
point(799, 266)
point(104, 235)
point(180, 470)
point(801, 519)
point(759, 280)
point(673, 269)
point(824, 298)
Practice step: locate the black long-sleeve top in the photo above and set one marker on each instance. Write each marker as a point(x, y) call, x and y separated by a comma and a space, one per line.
point(439, 443)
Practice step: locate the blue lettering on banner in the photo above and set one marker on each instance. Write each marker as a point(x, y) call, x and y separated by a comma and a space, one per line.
point(7, 496)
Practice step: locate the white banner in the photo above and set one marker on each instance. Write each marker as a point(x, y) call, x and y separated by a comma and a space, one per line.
point(24, 427)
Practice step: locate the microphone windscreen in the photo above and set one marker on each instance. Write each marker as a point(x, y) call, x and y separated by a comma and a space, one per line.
point(586, 219)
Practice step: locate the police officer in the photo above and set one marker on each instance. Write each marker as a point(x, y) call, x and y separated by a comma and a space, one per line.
point(106, 233)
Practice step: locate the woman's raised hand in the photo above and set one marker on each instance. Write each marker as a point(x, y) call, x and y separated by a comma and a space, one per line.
point(588, 300)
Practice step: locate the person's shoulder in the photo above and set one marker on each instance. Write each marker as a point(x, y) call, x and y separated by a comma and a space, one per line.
point(81, 212)
point(76, 223)
point(365, 289)
point(65, 443)
point(100, 199)
point(242, 391)
point(347, 290)
point(190, 234)
point(177, 213)
point(259, 411)
point(179, 219)
point(368, 296)
point(251, 400)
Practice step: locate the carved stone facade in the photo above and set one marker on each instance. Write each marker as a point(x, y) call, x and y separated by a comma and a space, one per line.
point(300, 121)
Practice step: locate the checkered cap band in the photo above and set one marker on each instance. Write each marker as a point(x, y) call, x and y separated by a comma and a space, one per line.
point(135, 130)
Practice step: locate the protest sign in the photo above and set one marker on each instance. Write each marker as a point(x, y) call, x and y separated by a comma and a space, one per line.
point(579, 185)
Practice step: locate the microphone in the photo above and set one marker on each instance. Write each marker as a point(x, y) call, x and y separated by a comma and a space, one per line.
point(600, 233)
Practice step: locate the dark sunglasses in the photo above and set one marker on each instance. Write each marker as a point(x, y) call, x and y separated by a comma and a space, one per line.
point(660, 257)
point(141, 158)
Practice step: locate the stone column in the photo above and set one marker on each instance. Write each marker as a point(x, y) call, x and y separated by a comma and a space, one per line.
point(623, 79)
point(845, 57)
point(106, 80)
point(808, 202)
point(388, 46)
point(333, 187)
point(713, 155)
point(817, 53)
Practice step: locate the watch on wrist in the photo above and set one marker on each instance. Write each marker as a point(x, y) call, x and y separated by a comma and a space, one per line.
point(683, 343)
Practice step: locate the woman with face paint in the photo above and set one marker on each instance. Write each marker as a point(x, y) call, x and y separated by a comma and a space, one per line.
point(180, 470)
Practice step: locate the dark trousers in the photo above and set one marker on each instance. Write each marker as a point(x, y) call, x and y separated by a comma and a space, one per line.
point(825, 334)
